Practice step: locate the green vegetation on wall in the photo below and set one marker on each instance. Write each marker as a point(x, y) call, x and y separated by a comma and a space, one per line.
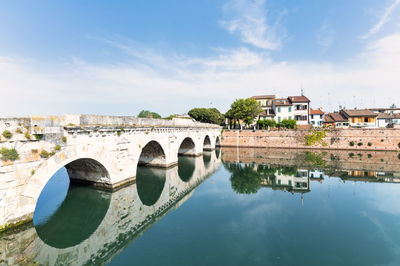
point(9, 154)
point(315, 137)
point(7, 134)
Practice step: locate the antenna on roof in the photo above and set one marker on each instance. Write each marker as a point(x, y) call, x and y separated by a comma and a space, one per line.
point(301, 89)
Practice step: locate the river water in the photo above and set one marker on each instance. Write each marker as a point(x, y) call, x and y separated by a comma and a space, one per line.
point(228, 207)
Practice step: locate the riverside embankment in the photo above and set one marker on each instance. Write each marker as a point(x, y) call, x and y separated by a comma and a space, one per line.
point(334, 139)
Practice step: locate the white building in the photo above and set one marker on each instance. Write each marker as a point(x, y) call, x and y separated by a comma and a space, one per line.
point(301, 109)
point(317, 117)
point(283, 109)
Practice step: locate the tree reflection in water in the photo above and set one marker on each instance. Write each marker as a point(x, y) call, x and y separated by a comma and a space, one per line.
point(150, 183)
point(186, 165)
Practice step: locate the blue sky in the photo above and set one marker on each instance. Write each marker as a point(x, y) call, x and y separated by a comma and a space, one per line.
point(118, 57)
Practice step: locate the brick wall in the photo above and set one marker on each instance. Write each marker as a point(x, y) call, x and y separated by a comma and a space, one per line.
point(369, 139)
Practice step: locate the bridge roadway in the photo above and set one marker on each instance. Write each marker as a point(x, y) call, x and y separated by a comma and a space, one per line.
point(101, 150)
point(126, 218)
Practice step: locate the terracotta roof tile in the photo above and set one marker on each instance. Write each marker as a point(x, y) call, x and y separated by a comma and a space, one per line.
point(263, 97)
point(299, 99)
point(316, 112)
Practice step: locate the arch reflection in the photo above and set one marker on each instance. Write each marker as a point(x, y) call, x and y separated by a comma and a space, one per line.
point(186, 166)
point(75, 220)
point(150, 184)
point(206, 158)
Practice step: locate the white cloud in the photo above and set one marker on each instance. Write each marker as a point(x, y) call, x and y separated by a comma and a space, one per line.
point(325, 36)
point(175, 83)
point(384, 19)
point(249, 19)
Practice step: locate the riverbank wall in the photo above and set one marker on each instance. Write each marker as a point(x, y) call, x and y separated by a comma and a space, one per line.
point(330, 139)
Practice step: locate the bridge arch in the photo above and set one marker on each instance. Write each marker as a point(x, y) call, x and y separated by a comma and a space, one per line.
point(207, 143)
point(152, 154)
point(187, 147)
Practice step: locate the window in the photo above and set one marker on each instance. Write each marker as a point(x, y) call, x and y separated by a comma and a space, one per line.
point(312, 116)
point(279, 181)
point(290, 182)
point(279, 109)
point(313, 122)
point(290, 109)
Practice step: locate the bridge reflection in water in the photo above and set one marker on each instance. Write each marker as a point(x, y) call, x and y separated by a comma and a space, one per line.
point(91, 226)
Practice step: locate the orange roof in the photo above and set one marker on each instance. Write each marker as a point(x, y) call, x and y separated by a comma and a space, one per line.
point(299, 99)
point(316, 112)
point(263, 97)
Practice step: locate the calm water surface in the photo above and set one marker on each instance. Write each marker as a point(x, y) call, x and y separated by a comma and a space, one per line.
point(253, 207)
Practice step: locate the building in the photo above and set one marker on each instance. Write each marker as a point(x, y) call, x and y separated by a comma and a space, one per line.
point(301, 109)
point(335, 120)
point(293, 107)
point(386, 110)
point(283, 109)
point(360, 118)
point(317, 117)
point(384, 120)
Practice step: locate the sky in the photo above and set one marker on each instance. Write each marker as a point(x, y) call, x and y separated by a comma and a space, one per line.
point(119, 57)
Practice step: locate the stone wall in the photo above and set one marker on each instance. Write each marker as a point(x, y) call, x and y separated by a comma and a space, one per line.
point(363, 139)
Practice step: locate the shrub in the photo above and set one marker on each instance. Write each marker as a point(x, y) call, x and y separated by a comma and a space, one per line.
point(351, 143)
point(64, 139)
point(315, 137)
point(369, 144)
point(9, 154)
point(44, 154)
point(57, 147)
point(19, 131)
point(369, 155)
point(351, 155)
point(118, 133)
point(32, 172)
point(38, 136)
point(27, 135)
point(7, 134)
point(288, 123)
point(360, 144)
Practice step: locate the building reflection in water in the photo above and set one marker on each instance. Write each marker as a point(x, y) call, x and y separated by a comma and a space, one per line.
point(293, 170)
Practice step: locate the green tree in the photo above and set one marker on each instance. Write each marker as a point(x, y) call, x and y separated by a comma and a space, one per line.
point(244, 109)
point(207, 115)
point(288, 123)
point(148, 114)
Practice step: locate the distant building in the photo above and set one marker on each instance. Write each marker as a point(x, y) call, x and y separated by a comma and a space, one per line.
point(317, 117)
point(335, 120)
point(386, 110)
point(283, 109)
point(293, 107)
point(360, 118)
point(301, 109)
point(384, 120)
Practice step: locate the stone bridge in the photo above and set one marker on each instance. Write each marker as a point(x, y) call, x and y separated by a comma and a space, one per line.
point(101, 150)
point(125, 214)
